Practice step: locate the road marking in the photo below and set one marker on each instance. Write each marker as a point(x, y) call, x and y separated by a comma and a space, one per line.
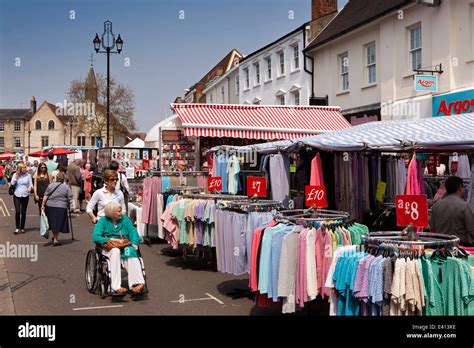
point(100, 307)
point(4, 208)
point(214, 298)
point(210, 297)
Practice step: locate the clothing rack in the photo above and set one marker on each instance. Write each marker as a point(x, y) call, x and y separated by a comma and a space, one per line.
point(245, 204)
point(319, 215)
point(211, 196)
point(181, 189)
point(425, 239)
point(177, 173)
point(442, 177)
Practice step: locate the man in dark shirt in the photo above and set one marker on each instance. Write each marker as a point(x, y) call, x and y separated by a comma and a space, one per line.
point(452, 214)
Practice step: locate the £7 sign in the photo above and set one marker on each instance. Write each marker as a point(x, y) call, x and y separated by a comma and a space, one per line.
point(315, 196)
point(256, 187)
point(214, 183)
point(412, 209)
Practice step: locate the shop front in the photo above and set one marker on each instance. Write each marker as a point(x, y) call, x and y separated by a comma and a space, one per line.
point(454, 103)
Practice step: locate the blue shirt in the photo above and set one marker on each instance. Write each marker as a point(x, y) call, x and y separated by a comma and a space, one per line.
point(275, 260)
point(23, 183)
point(265, 258)
point(165, 183)
point(221, 170)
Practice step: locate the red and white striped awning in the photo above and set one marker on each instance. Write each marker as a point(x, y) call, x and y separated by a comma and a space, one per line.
point(267, 122)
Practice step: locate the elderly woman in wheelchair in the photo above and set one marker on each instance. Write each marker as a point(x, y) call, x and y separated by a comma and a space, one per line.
point(109, 234)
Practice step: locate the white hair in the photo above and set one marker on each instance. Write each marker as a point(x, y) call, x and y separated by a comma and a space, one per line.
point(110, 209)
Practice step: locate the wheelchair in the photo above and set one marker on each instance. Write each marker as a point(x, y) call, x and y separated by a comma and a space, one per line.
point(97, 276)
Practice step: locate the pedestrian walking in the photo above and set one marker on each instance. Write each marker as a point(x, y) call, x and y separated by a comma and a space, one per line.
point(87, 176)
point(34, 168)
point(52, 166)
point(2, 174)
point(75, 180)
point(23, 187)
point(56, 203)
point(41, 181)
point(105, 195)
point(9, 171)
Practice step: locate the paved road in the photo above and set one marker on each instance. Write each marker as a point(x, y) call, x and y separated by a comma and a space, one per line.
point(54, 284)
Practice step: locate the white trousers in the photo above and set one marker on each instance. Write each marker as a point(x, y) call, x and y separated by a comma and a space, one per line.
point(76, 190)
point(132, 266)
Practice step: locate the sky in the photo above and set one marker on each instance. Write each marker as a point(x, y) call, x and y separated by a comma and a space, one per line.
point(169, 44)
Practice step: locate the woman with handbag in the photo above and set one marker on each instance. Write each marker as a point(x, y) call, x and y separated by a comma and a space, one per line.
point(119, 239)
point(56, 202)
point(21, 185)
point(41, 181)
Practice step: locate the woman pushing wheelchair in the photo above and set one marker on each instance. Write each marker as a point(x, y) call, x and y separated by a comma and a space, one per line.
point(119, 240)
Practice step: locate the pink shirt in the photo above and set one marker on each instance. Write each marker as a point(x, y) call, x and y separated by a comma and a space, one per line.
point(171, 226)
point(323, 260)
point(301, 284)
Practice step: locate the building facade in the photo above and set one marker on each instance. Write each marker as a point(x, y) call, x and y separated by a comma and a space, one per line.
point(223, 90)
point(275, 74)
point(367, 56)
point(13, 123)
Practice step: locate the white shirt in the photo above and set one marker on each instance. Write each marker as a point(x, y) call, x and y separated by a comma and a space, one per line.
point(122, 177)
point(102, 197)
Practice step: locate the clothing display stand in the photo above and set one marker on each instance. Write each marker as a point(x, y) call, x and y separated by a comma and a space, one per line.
point(245, 206)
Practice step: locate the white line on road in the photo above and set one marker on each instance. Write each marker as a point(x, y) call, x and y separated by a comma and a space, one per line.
point(100, 307)
point(214, 298)
point(210, 297)
point(3, 208)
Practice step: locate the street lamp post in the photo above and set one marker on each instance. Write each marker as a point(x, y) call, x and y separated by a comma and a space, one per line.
point(29, 141)
point(108, 43)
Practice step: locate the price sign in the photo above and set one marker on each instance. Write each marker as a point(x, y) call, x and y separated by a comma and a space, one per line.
point(315, 196)
point(412, 209)
point(256, 187)
point(214, 183)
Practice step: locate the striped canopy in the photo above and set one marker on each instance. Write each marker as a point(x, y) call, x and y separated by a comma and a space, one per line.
point(266, 122)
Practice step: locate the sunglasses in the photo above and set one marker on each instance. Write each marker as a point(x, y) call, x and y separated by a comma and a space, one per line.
point(116, 179)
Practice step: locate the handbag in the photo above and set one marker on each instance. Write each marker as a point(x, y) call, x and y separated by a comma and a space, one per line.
point(44, 225)
point(11, 190)
point(120, 243)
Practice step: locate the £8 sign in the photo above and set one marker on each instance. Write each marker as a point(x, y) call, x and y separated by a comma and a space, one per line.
point(412, 209)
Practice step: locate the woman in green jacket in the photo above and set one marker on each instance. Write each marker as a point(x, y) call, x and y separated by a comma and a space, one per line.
point(115, 225)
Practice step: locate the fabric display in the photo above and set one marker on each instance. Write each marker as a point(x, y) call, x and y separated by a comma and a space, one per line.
point(370, 285)
point(289, 264)
point(189, 222)
point(280, 178)
point(234, 231)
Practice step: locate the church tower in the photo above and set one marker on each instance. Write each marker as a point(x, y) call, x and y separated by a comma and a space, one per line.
point(91, 89)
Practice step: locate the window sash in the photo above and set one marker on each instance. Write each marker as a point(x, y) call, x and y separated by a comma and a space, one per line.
point(247, 78)
point(416, 59)
point(297, 98)
point(237, 84)
point(257, 73)
point(296, 56)
point(17, 141)
point(415, 38)
point(269, 68)
point(2, 126)
point(282, 99)
point(2, 142)
point(282, 63)
point(17, 126)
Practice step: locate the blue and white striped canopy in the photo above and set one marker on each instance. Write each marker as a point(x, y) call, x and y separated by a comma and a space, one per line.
point(440, 133)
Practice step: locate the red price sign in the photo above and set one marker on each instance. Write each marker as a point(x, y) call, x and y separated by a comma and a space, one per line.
point(256, 187)
point(412, 209)
point(315, 196)
point(214, 183)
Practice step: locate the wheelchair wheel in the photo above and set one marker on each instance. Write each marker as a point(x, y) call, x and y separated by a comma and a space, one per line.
point(104, 282)
point(92, 271)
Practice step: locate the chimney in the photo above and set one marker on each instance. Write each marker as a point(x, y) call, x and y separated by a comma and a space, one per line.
point(33, 105)
point(321, 8)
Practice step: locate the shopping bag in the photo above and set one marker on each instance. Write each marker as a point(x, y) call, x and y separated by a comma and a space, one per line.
point(44, 225)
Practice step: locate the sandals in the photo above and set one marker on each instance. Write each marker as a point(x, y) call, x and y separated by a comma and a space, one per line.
point(120, 291)
point(138, 289)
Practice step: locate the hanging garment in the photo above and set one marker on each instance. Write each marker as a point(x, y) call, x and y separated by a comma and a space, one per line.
point(280, 178)
point(413, 185)
point(287, 270)
point(233, 170)
point(317, 178)
point(221, 170)
point(463, 168)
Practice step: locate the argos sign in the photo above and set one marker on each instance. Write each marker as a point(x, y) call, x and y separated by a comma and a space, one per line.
point(453, 103)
